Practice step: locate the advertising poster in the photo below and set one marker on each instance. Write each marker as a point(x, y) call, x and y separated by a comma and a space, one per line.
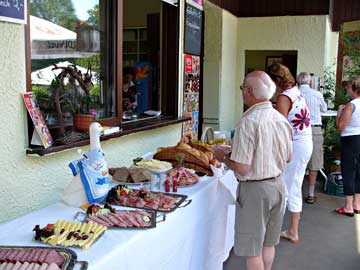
point(191, 94)
point(41, 134)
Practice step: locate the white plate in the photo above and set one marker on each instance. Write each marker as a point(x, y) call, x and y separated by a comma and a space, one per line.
point(132, 184)
point(159, 171)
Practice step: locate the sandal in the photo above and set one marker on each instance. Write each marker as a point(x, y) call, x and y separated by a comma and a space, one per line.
point(356, 211)
point(287, 236)
point(310, 199)
point(342, 211)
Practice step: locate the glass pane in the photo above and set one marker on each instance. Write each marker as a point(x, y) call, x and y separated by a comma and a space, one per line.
point(73, 54)
point(141, 69)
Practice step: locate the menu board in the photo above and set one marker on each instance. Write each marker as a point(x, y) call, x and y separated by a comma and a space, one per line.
point(13, 11)
point(193, 30)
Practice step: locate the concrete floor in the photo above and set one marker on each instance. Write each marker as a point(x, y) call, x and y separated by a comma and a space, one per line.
point(328, 240)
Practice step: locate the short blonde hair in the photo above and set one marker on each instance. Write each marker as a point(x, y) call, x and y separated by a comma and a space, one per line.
point(281, 75)
point(355, 84)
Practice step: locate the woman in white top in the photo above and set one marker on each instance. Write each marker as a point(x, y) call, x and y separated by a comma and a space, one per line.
point(348, 123)
point(291, 103)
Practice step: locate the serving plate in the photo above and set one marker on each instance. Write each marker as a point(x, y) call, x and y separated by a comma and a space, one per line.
point(157, 171)
point(155, 218)
point(179, 200)
point(69, 255)
point(132, 184)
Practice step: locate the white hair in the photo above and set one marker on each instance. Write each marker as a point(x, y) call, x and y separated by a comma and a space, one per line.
point(262, 85)
point(303, 78)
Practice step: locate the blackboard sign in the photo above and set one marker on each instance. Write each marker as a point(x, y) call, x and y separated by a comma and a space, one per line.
point(13, 11)
point(193, 28)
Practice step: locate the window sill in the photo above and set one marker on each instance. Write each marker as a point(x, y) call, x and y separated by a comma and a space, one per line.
point(127, 129)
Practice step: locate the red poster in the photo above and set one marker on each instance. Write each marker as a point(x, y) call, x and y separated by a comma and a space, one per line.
point(188, 63)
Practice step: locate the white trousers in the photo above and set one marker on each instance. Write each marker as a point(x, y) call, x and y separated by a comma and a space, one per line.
point(294, 173)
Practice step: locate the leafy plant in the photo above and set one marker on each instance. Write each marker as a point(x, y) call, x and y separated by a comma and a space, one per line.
point(329, 86)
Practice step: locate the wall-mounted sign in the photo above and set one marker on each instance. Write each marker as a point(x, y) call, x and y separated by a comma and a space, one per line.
point(191, 94)
point(193, 30)
point(13, 11)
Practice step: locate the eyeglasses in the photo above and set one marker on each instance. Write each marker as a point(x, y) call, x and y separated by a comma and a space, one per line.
point(243, 87)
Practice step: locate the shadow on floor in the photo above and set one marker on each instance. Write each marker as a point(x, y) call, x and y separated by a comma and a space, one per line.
point(328, 240)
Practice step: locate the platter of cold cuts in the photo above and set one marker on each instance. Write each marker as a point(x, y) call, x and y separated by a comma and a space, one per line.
point(184, 177)
point(145, 199)
point(44, 258)
point(125, 219)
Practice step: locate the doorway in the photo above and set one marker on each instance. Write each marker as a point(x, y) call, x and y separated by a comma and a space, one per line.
point(262, 59)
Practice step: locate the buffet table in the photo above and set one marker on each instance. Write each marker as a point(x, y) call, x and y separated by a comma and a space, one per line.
point(198, 236)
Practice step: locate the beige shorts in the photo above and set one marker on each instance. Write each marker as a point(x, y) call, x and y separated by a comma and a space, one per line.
point(316, 161)
point(259, 214)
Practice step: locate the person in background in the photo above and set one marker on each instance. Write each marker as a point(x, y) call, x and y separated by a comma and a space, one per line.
point(129, 89)
point(316, 105)
point(291, 103)
point(348, 123)
point(261, 148)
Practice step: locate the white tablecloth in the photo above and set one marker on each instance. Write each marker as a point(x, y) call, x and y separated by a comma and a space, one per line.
point(198, 236)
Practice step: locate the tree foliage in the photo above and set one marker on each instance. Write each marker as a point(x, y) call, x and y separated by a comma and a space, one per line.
point(60, 12)
point(93, 19)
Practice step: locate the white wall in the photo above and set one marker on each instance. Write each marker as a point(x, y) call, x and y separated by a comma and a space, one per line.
point(212, 64)
point(29, 183)
point(229, 73)
point(305, 34)
point(220, 68)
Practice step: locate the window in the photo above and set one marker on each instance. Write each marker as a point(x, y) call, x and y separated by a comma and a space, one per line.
point(110, 38)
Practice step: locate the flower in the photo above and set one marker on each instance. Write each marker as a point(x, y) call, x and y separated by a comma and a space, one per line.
point(302, 119)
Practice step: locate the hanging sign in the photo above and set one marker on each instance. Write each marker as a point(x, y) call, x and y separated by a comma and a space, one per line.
point(13, 11)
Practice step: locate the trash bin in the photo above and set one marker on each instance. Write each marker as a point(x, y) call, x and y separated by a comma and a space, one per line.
point(335, 184)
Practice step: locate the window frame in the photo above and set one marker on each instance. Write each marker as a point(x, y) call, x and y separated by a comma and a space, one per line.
point(169, 51)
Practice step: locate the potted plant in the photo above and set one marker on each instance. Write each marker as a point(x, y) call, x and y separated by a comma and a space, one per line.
point(77, 96)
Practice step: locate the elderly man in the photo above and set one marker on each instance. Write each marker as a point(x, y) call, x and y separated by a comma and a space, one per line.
point(316, 105)
point(261, 148)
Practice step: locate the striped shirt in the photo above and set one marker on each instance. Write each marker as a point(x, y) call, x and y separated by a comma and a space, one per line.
point(263, 140)
point(315, 102)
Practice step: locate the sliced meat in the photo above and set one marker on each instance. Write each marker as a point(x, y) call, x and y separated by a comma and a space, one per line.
point(3, 266)
point(17, 266)
point(140, 220)
point(11, 258)
point(97, 220)
point(53, 266)
point(54, 257)
point(43, 255)
point(7, 254)
point(105, 219)
point(25, 255)
point(24, 266)
point(120, 222)
point(144, 213)
point(132, 219)
point(30, 256)
point(37, 255)
point(2, 253)
point(20, 255)
point(36, 266)
point(30, 266)
point(44, 266)
point(9, 266)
